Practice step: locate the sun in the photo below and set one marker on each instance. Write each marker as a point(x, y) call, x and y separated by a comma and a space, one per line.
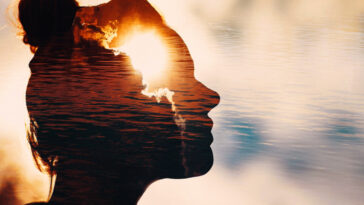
point(148, 54)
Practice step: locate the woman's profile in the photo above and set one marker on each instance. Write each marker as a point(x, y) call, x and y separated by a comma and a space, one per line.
point(93, 127)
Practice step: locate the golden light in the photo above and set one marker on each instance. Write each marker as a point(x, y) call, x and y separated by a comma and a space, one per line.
point(148, 54)
point(92, 2)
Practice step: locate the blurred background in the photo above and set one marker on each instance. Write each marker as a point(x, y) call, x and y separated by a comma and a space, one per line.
point(290, 125)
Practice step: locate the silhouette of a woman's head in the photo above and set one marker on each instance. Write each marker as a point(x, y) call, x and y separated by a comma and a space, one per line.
point(91, 125)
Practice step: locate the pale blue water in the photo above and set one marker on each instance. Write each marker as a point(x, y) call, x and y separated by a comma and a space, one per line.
point(292, 95)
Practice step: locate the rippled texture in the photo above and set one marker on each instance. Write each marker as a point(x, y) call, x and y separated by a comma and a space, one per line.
point(93, 127)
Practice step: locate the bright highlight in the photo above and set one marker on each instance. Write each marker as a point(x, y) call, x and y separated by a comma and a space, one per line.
point(148, 55)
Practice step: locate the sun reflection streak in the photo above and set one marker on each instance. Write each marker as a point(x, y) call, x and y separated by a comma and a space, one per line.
point(149, 55)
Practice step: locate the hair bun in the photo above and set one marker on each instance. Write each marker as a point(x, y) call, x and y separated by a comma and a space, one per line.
point(41, 19)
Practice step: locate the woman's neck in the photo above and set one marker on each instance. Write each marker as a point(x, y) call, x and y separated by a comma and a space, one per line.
point(98, 187)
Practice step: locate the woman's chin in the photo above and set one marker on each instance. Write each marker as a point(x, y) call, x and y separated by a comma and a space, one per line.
point(200, 162)
point(194, 163)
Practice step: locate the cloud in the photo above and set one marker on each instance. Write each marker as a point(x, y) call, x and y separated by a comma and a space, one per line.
point(257, 184)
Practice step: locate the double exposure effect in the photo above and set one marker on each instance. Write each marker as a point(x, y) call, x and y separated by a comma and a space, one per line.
point(114, 105)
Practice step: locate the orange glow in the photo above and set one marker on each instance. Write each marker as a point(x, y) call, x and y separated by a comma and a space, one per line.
point(148, 54)
point(91, 2)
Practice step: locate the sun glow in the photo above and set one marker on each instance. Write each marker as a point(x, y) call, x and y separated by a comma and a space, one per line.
point(91, 2)
point(147, 53)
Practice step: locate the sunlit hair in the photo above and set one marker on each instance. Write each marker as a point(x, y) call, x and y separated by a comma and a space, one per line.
point(45, 163)
point(42, 19)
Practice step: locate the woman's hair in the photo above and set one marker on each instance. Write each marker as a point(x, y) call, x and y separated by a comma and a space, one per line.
point(42, 19)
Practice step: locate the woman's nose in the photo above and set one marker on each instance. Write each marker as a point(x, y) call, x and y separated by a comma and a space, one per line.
point(212, 97)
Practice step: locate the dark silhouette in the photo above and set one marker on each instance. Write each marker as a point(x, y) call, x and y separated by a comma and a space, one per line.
point(92, 129)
